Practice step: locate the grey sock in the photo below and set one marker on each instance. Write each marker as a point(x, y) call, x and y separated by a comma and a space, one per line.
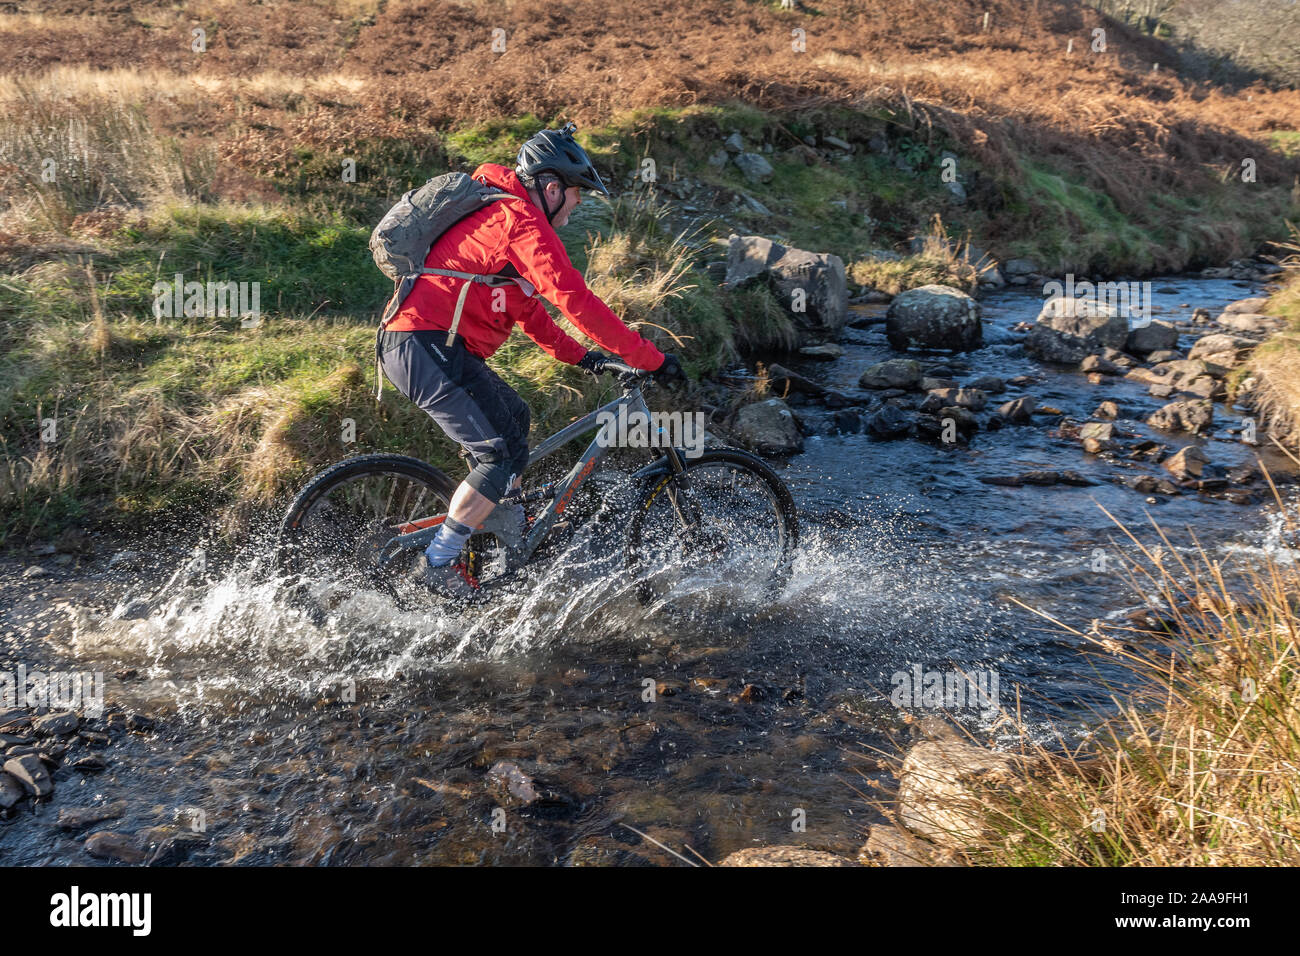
point(448, 542)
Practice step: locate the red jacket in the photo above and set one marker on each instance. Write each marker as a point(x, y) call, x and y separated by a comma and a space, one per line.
point(514, 233)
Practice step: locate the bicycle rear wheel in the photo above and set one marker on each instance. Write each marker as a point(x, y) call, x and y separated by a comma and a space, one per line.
point(333, 534)
point(726, 525)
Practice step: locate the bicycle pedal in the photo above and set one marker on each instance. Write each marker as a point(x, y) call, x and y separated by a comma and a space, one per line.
point(397, 563)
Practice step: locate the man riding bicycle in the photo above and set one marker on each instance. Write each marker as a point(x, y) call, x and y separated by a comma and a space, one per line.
point(515, 239)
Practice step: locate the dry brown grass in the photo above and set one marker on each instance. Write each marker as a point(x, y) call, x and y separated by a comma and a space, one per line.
point(101, 337)
point(638, 271)
point(1197, 768)
point(1275, 365)
point(940, 261)
point(1127, 129)
point(63, 153)
point(157, 85)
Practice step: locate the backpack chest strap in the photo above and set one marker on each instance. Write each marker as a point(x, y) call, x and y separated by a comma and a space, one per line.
point(470, 277)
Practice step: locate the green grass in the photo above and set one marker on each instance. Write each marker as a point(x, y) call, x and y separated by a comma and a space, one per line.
point(304, 264)
point(494, 142)
point(384, 169)
point(1069, 226)
point(801, 197)
point(1286, 141)
point(1079, 226)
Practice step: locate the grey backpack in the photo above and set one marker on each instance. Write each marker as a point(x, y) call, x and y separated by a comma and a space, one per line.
point(401, 241)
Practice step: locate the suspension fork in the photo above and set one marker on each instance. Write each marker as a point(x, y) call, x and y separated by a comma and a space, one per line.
point(678, 489)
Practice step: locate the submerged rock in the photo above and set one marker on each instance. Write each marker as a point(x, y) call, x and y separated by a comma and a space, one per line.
point(785, 381)
point(848, 420)
point(770, 428)
point(511, 784)
point(826, 352)
point(73, 818)
point(894, 373)
point(1195, 416)
point(107, 845)
point(126, 561)
point(1186, 463)
point(989, 384)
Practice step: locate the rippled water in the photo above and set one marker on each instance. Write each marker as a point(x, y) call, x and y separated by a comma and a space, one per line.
point(370, 740)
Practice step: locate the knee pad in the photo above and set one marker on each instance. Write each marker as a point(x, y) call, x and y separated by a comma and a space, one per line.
point(491, 480)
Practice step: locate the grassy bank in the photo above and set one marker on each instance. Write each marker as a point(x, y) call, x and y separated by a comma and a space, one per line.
point(154, 412)
point(142, 162)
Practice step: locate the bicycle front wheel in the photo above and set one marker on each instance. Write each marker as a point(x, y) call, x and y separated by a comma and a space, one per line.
point(727, 524)
point(333, 536)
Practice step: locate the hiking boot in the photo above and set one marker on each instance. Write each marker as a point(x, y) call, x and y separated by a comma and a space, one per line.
point(452, 581)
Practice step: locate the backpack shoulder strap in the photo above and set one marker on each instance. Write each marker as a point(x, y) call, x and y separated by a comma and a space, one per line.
point(471, 277)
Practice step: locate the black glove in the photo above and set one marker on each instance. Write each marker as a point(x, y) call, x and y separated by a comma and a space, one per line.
point(593, 362)
point(671, 370)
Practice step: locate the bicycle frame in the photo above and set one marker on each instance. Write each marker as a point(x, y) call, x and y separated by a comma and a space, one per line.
point(501, 522)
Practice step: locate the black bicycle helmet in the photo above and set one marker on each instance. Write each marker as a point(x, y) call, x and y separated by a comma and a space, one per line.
point(556, 151)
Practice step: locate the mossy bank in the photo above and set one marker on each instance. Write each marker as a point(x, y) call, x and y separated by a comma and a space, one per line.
point(110, 407)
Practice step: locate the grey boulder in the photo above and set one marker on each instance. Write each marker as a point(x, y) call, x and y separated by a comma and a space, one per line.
point(934, 317)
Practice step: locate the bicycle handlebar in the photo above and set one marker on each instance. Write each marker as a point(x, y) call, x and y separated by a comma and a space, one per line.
point(623, 370)
point(626, 374)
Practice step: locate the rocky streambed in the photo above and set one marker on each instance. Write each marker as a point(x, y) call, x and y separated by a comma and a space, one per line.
point(1161, 387)
point(564, 724)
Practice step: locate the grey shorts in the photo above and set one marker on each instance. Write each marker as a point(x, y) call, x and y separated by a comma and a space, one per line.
point(467, 400)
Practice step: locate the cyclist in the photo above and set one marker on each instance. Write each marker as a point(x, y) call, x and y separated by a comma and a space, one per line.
point(453, 384)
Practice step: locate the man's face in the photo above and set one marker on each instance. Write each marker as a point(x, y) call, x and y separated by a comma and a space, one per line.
point(571, 197)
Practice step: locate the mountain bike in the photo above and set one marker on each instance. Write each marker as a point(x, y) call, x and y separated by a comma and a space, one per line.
point(361, 522)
